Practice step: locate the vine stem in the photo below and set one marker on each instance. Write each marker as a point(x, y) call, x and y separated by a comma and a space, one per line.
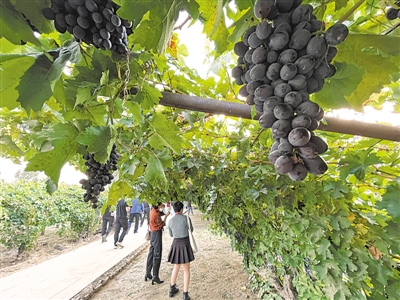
point(351, 10)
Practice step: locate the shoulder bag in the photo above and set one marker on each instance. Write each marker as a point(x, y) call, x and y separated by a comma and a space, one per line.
point(191, 237)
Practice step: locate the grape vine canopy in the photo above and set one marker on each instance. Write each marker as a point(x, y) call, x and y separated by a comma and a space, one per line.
point(332, 236)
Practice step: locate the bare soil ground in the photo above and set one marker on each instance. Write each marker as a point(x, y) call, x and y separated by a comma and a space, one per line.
point(216, 272)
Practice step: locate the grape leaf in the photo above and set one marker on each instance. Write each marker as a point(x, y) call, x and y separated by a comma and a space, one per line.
point(99, 140)
point(390, 202)
point(8, 147)
point(154, 173)
point(13, 26)
point(166, 134)
point(63, 141)
point(33, 13)
point(134, 108)
point(148, 96)
point(119, 190)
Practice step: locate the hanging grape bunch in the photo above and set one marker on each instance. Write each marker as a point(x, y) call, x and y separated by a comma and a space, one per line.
point(282, 60)
point(91, 21)
point(99, 175)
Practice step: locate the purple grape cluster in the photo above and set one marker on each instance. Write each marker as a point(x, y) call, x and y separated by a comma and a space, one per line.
point(99, 175)
point(282, 60)
point(91, 21)
point(393, 13)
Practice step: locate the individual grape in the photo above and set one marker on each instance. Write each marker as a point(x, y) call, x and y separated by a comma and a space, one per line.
point(267, 119)
point(284, 5)
point(79, 32)
point(248, 55)
point(263, 92)
point(83, 22)
point(273, 14)
point(304, 95)
point(305, 64)
point(70, 20)
point(68, 8)
point(246, 35)
point(262, 8)
point(271, 102)
point(320, 115)
point(247, 76)
point(301, 121)
point(392, 13)
point(299, 136)
point(273, 71)
point(332, 71)
point(299, 39)
point(336, 34)
point(309, 150)
point(308, 108)
point(287, 56)
point(312, 85)
point(332, 51)
point(278, 41)
point(281, 128)
point(104, 34)
point(314, 124)
point(316, 25)
point(239, 48)
point(296, 3)
point(274, 155)
point(272, 56)
point(250, 100)
point(97, 39)
point(283, 111)
point(317, 46)
point(320, 144)
point(288, 71)
point(322, 71)
point(78, 2)
point(281, 18)
point(299, 172)
point(275, 146)
point(293, 99)
point(97, 18)
point(302, 13)
point(303, 25)
point(282, 89)
point(259, 55)
point(284, 164)
point(237, 72)
point(252, 86)
point(316, 166)
point(60, 20)
point(298, 82)
point(107, 44)
point(285, 148)
point(48, 13)
point(254, 41)
point(258, 72)
point(91, 5)
point(243, 91)
point(264, 30)
point(59, 28)
point(277, 82)
point(115, 20)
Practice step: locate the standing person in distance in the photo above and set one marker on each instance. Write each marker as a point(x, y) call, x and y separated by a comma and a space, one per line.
point(154, 257)
point(108, 221)
point(181, 252)
point(135, 213)
point(121, 221)
point(189, 207)
point(146, 213)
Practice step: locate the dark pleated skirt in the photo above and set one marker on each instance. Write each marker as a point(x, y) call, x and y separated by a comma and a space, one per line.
point(181, 252)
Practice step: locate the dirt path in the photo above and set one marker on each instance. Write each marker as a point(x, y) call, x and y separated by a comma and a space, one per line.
point(216, 272)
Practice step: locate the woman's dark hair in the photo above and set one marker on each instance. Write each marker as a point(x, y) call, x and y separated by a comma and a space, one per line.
point(156, 206)
point(178, 205)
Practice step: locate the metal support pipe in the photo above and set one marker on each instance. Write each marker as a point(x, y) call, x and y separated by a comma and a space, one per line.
point(378, 131)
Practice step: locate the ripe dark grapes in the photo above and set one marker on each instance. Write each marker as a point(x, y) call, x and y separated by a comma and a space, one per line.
point(91, 21)
point(283, 59)
point(99, 175)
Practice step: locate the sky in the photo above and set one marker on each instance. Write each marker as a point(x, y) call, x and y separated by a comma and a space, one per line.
point(196, 43)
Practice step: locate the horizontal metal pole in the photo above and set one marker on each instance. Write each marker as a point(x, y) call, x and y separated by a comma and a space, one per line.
point(378, 131)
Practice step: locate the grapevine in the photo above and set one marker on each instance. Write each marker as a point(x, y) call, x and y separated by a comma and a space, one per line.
point(282, 60)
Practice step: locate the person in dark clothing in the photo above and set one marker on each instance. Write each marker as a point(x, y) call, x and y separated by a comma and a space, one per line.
point(154, 257)
point(135, 213)
point(146, 213)
point(108, 221)
point(121, 221)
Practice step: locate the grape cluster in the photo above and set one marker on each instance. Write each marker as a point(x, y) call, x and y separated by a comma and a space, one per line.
point(91, 21)
point(98, 175)
point(393, 13)
point(282, 60)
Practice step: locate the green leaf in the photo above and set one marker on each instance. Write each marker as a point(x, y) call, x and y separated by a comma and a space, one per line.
point(82, 95)
point(63, 141)
point(166, 134)
point(339, 221)
point(342, 84)
point(135, 110)
point(391, 202)
point(13, 25)
point(337, 188)
point(148, 96)
point(154, 173)
point(99, 140)
point(8, 147)
point(118, 189)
